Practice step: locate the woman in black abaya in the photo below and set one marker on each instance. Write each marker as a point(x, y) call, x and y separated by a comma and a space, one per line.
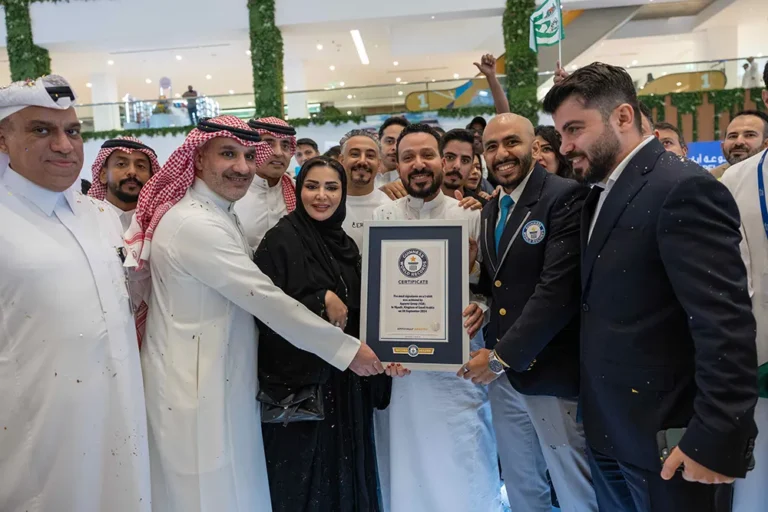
point(330, 464)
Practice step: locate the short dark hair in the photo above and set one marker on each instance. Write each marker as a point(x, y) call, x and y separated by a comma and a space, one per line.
point(644, 110)
point(334, 152)
point(549, 134)
point(439, 130)
point(755, 113)
point(477, 120)
point(400, 121)
point(416, 128)
point(601, 86)
point(307, 142)
point(663, 125)
point(457, 134)
point(765, 75)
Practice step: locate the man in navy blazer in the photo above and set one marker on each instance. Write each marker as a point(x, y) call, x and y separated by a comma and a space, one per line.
point(667, 332)
point(530, 269)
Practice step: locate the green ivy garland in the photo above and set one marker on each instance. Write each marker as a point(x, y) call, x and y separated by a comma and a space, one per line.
point(730, 100)
point(139, 132)
point(266, 58)
point(652, 101)
point(756, 95)
point(27, 60)
point(521, 63)
point(687, 103)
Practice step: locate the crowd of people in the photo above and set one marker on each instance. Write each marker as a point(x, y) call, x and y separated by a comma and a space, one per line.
point(185, 337)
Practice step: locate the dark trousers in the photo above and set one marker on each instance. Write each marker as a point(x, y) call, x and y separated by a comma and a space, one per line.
point(622, 487)
point(192, 116)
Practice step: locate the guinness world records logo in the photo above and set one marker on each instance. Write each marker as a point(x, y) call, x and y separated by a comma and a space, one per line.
point(413, 263)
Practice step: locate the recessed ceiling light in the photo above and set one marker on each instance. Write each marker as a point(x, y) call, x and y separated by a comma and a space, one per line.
point(664, 74)
point(89, 85)
point(177, 95)
point(482, 93)
point(250, 103)
point(149, 81)
point(178, 57)
point(208, 77)
point(360, 47)
point(679, 84)
point(433, 79)
point(332, 67)
point(433, 17)
point(110, 63)
point(285, 87)
point(397, 79)
point(399, 93)
point(319, 46)
point(634, 63)
point(248, 53)
point(349, 112)
point(342, 84)
point(349, 96)
point(395, 63)
point(231, 91)
point(455, 75)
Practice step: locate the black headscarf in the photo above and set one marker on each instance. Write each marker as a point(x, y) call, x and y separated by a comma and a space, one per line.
point(339, 252)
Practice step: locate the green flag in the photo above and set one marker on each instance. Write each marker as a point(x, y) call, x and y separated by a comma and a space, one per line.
point(546, 25)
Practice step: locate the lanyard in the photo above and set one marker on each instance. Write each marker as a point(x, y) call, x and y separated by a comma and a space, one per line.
point(761, 192)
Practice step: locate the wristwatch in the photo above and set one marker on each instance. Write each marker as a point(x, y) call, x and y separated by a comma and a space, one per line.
point(494, 364)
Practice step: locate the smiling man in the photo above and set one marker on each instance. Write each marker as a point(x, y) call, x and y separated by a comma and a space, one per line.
point(272, 193)
point(361, 158)
point(457, 150)
point(667, 335)
point(388, 134)
point(201, 345)
point(454, 467)
point(122, 167)
point(746, 136)
point(73, 422)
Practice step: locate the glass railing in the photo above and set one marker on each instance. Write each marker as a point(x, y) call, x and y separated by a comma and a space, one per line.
point(396, 98)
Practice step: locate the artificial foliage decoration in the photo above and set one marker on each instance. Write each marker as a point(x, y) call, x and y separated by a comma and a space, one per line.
point(653, 101)
point(26, 60)
point(521, 62)
point(139, 132)
point(727, 100)
point(266, 58)
point(687, 103)
point(756, 95)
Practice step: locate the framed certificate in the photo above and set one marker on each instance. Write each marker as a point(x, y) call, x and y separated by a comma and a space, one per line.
point(415, 289)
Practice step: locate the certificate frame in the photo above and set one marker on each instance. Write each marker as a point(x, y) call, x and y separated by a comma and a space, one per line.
point(447, 354)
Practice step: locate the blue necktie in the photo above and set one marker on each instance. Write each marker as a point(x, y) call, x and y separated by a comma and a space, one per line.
point(506, 204)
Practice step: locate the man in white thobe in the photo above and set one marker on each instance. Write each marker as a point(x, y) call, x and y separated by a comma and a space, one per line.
point(73, 429)
point(361, 157)
point(272, 194)
point(122, 167)
point(200, 354)
point(747, 182)
point(435, 443)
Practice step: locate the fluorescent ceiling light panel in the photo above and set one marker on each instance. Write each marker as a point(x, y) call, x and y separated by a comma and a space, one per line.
point(358, 39)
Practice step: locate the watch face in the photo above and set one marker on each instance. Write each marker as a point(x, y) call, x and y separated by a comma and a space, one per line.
point(495, 366)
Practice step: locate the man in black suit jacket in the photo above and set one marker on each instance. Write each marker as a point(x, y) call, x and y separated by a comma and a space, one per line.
point(530, 250)
point(667, 334)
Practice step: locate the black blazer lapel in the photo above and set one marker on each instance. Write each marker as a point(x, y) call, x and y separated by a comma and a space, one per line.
point(521, 211)
point(488, 232)
point(631, 181)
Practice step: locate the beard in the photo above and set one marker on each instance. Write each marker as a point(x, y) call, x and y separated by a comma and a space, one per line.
point(452, 185)
point(600, 158)
point(423, 192)
point(747, 153)
point(361, 174)
point(512, 181)
point(126, 197)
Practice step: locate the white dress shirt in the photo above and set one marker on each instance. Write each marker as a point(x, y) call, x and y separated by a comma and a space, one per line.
point(200, 358)
point(359, 210)
point(73, 430)
point(260, 209)
point(434, 443)
point(612, 179)
point(515, 195)
point(385, 178)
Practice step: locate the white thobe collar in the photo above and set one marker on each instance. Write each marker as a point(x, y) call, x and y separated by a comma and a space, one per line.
point(260, 183)
point(41, 197)
point(202, 189)
point(125, 215)
point(419, 205)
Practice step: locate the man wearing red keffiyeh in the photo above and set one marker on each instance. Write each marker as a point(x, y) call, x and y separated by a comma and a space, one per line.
point(200, 353)
point(122, 167)
point(272, 194)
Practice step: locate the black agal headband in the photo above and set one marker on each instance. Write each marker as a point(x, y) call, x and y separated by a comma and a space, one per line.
point(129, 144)
point(206, 125)
point(274, 128)
point(56, 92)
